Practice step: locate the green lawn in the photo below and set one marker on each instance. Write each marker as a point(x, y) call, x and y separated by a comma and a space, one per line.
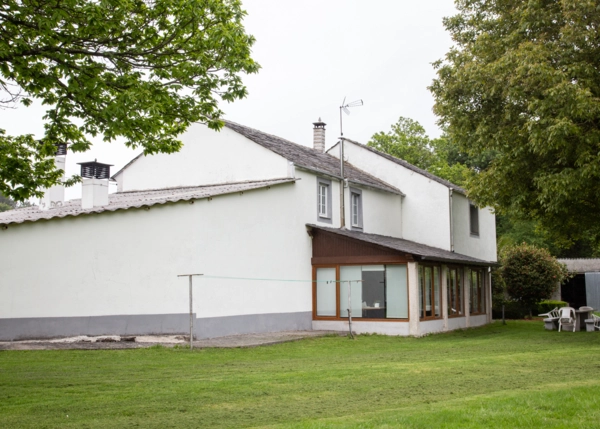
point(498, 376)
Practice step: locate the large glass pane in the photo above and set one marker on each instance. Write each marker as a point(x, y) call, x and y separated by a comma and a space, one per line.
point(428, 292)
point(326, 289)
point(474, 291)
point(373, 292)
point(450, 280)
point(396, 291)
point(481, 292)
point(436, 292)
point(459, 294)
point(421, 291)
point(348, 276)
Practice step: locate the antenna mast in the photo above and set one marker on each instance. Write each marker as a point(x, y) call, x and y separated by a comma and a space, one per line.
point(344, 107)
point(343, 183)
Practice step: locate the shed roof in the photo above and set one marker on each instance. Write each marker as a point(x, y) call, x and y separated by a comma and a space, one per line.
point(135, 199)
point(409, 166)
point(424, 252)
point(581, 265)
point(310, 159)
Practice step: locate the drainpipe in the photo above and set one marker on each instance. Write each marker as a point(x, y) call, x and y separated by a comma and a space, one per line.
point(451, 223)
point(342, 183)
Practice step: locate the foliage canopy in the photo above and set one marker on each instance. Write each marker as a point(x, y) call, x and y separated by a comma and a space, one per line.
point(408, 140)
point(140, 70)
point(522, 80)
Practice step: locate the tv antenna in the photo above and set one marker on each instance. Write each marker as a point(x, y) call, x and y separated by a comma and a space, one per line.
point(345, 108)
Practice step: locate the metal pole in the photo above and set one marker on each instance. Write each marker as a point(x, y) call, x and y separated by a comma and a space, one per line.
point(350, 308)
point(191, 318)
point(191, 307)
point(342, 184)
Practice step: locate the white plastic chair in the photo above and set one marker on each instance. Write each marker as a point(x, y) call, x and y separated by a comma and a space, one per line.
point(553, 314)
point(596, 321)
point(567, 317)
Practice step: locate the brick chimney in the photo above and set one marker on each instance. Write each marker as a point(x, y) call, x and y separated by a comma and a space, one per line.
point(319, 135)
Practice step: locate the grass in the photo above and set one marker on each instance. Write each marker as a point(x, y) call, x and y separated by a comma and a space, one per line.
point(498, 376)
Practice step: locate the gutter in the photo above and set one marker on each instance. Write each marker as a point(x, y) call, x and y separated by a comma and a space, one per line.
point(342, 186)
point(451, 221)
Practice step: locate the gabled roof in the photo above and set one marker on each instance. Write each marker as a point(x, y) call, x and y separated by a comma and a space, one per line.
point(310, 159)
point(409, 166)
point(424, 252)
point(135, 199)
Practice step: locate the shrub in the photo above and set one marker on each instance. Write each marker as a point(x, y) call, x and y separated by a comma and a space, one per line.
point(530, 274)
point(548, 305)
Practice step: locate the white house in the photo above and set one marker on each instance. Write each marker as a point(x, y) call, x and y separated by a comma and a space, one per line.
point(288, 237)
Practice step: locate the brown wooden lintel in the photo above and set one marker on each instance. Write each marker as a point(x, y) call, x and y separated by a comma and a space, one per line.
point(365, 259)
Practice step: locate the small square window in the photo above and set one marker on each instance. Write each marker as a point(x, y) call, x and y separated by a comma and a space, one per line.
point(474, 219)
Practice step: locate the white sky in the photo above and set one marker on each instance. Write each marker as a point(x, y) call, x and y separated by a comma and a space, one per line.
point(313, 53)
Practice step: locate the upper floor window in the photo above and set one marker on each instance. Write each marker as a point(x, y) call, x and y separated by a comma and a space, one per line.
point(474, 219)
point(356, 209)
point(324, 200)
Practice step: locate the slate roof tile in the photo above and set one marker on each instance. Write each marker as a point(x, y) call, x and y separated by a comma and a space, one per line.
point(309, 158)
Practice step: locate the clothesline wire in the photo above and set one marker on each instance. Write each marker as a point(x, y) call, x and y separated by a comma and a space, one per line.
point(278, 280)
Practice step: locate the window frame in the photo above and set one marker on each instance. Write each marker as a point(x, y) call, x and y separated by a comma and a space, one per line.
point(480, 307)
point(338, 316)
point(324, 183)
point(358, 225)
point(423, 304)
point(460, 296)
point(473, 220)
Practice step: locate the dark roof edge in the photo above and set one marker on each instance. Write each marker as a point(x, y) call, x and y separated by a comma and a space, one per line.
point(241, 182)
point(125, 166)
point(420, 255)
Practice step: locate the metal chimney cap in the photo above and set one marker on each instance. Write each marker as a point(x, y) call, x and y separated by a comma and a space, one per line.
point(95, 170)
point(319, 124)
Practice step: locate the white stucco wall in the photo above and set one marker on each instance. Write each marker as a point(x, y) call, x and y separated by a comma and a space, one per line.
point(482, 246)
point(425, 208)
point(382, 211)
point(126, 262)
point(207, 157)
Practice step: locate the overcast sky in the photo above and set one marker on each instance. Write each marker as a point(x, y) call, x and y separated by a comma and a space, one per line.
point(314, 53)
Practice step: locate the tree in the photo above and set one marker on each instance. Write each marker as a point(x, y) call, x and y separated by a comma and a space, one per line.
point(6, 203)
point(140, 70)
point(530, 273)
point(522, 81)
point(407, 140)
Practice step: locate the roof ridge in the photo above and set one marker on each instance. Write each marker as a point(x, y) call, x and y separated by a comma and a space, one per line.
point(408, 165)
point(227, 121)
point(255, 136)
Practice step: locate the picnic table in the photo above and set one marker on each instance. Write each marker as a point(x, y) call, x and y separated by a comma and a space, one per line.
point(581, 315)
